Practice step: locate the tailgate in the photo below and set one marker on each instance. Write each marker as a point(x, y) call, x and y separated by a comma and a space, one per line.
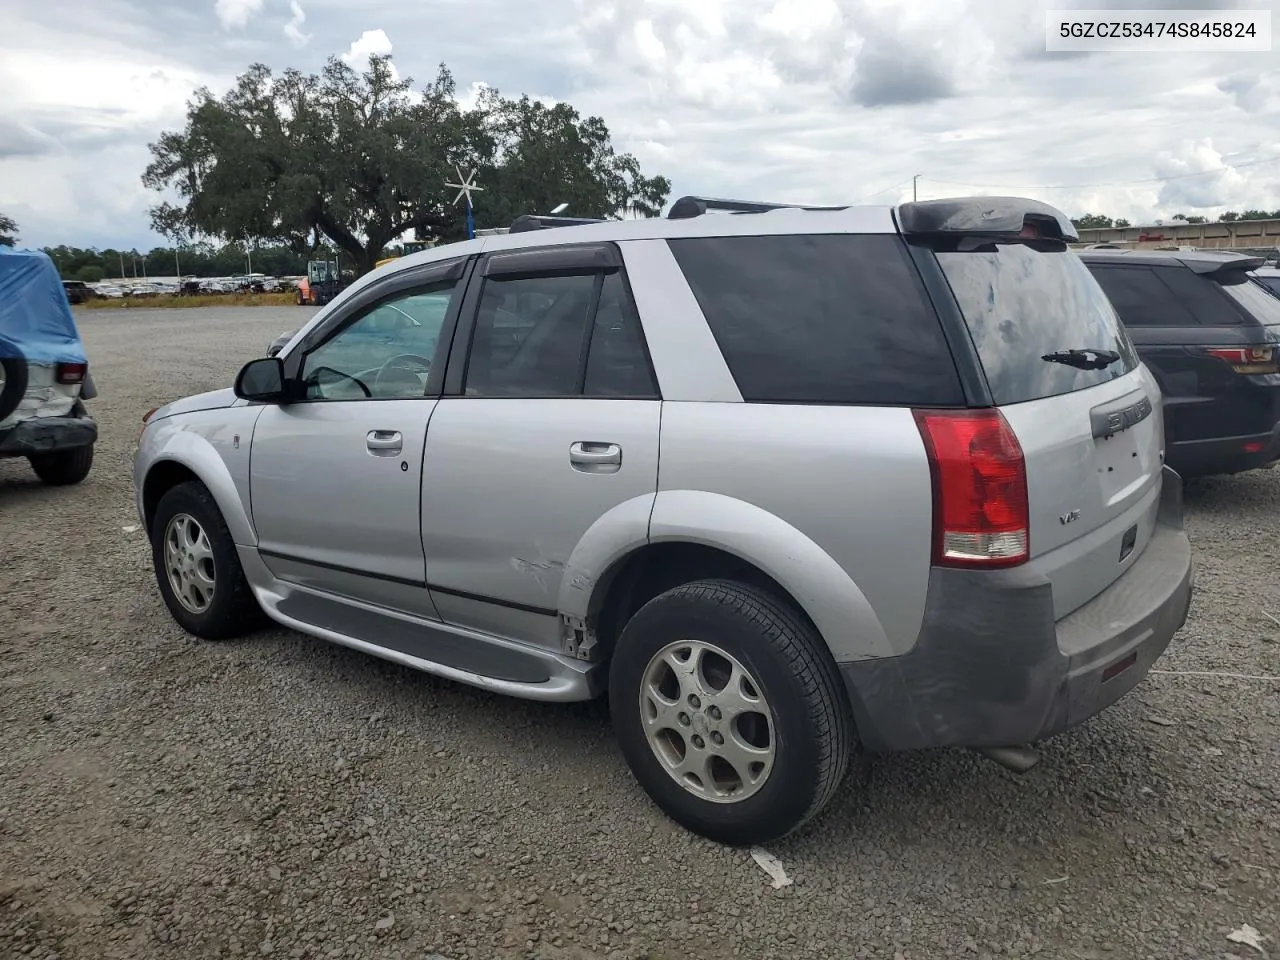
point(1094, 465)
point(1087, 413)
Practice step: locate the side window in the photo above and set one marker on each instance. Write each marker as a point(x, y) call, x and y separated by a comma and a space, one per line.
point(837, 318)
point(558, 336)
point(386, 353)
point(1140, 297)
point(618, 360)
point(529, 336)
point(1202, 297)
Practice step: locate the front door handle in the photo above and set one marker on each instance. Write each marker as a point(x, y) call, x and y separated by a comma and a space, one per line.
point(592, 457)
point(384, 443)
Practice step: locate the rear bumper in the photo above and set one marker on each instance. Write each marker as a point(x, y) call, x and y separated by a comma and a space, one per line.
point(991, 667)
point(29, 438)
point(1201, 458)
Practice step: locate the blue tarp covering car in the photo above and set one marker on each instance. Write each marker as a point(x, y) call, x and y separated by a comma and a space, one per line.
point(36, 322)
point(44, 373)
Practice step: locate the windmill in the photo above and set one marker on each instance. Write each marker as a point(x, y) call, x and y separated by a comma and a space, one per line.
point(466, 186)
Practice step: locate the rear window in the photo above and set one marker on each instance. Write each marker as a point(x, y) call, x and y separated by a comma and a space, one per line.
point(839, 318)
point(1271, 283)
point(1021, 303)
point(1164, 296)
point(1257, 299)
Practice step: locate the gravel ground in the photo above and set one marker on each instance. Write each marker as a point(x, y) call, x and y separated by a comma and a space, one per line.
point(278, 796)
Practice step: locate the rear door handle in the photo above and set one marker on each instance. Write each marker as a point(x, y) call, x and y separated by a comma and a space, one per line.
point(384, 443)
point(597, 457)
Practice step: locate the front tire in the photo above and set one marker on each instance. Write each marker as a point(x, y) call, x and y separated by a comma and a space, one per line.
point(197, 567)
point(63, 468)
point(730, 711)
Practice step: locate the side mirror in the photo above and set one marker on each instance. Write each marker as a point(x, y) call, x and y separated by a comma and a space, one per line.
point(262, 381)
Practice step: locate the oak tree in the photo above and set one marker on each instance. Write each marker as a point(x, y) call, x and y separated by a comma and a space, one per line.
point(360, 159)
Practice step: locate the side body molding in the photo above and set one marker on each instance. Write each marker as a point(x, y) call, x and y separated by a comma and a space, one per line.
point(832, 600)
point(214, 445)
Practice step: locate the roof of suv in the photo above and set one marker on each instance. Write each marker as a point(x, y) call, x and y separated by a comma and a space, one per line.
point(703, 217)
point(1198, 261)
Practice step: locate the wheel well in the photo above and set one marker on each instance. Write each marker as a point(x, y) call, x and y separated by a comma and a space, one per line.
point(654, 569)
point(162, 478)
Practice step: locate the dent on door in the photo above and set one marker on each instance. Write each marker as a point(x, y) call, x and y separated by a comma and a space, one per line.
point(511, 487)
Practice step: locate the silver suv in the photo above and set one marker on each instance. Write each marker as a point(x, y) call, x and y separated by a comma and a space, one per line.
point(785, 482)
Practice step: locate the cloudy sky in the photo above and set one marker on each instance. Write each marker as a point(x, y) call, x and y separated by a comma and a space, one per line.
point(799, 100)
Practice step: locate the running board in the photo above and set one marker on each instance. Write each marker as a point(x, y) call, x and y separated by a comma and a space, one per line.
point(442, 649)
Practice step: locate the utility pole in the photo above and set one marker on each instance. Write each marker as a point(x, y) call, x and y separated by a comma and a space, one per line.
point(913, 187)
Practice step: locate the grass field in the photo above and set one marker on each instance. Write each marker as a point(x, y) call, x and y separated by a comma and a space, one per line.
point(200, 300)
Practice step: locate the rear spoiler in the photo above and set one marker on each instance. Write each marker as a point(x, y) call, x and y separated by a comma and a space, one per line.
point(1010, 218)
point(1200, 264)
point(1234, 265)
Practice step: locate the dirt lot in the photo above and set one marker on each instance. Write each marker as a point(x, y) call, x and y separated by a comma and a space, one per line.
point(278, 796)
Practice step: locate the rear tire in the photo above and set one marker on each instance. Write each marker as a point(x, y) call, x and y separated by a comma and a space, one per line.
point(682, 730)
point(65, 467)
point(197, 568)
point(14, 386)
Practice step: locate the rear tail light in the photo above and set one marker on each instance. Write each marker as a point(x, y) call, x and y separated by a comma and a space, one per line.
point(71, 373)
point(980, 512)
point(1247, 360)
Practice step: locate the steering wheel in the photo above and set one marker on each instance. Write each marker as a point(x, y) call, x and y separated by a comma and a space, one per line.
point(314, 379)
point(405, 362)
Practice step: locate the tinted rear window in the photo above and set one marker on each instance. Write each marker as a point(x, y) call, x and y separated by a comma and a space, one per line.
point(1271, 283)
point(838, 318)
point(1164, 296)
point(1256, 297)
point(1021, 303)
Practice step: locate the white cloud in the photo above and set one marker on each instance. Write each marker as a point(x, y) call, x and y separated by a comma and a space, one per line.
point(1203, 179)
point(235, 14)
point(805, 100)
point(371, 43)
point(293, 29)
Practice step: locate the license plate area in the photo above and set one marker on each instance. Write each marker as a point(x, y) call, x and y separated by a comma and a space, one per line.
point(1119, 462)
point(1119, 429)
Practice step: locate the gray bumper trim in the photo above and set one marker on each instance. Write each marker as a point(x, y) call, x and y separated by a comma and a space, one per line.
point(988, 668)
point(29, 438)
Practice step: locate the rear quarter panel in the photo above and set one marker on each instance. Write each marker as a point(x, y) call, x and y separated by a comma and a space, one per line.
point(852, 481)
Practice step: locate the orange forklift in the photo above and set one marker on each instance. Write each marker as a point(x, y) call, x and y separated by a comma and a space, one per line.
point(322, 283)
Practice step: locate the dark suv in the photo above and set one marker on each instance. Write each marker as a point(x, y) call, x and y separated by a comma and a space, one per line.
point(1210, 333)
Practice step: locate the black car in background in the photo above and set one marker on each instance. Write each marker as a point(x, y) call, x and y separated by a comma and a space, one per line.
point(1209, 332)
point(77, 291)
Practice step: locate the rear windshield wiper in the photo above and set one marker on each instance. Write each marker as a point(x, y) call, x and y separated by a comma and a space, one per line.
point(1089, 359)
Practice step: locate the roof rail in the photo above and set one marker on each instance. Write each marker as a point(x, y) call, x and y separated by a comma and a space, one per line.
point(687, 207)
point(530, 221)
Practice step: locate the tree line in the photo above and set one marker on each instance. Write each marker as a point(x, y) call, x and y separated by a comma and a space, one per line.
point(1096, 221)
